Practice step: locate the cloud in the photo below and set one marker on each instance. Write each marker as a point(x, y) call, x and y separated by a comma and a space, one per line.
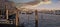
point(37, 3)
point(48, 2)
point(33, 2)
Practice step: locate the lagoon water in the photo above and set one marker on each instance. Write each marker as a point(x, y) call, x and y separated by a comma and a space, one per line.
point(44, 20)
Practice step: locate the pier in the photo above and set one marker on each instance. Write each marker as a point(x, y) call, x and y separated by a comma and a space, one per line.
point(12, 17)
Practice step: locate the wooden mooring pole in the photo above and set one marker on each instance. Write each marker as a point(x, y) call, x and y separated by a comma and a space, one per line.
point(6, 8)
point(6, 13)
point(17, 18)
point(36, 18)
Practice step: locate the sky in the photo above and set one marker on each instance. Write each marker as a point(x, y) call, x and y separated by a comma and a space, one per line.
point(55, 4)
